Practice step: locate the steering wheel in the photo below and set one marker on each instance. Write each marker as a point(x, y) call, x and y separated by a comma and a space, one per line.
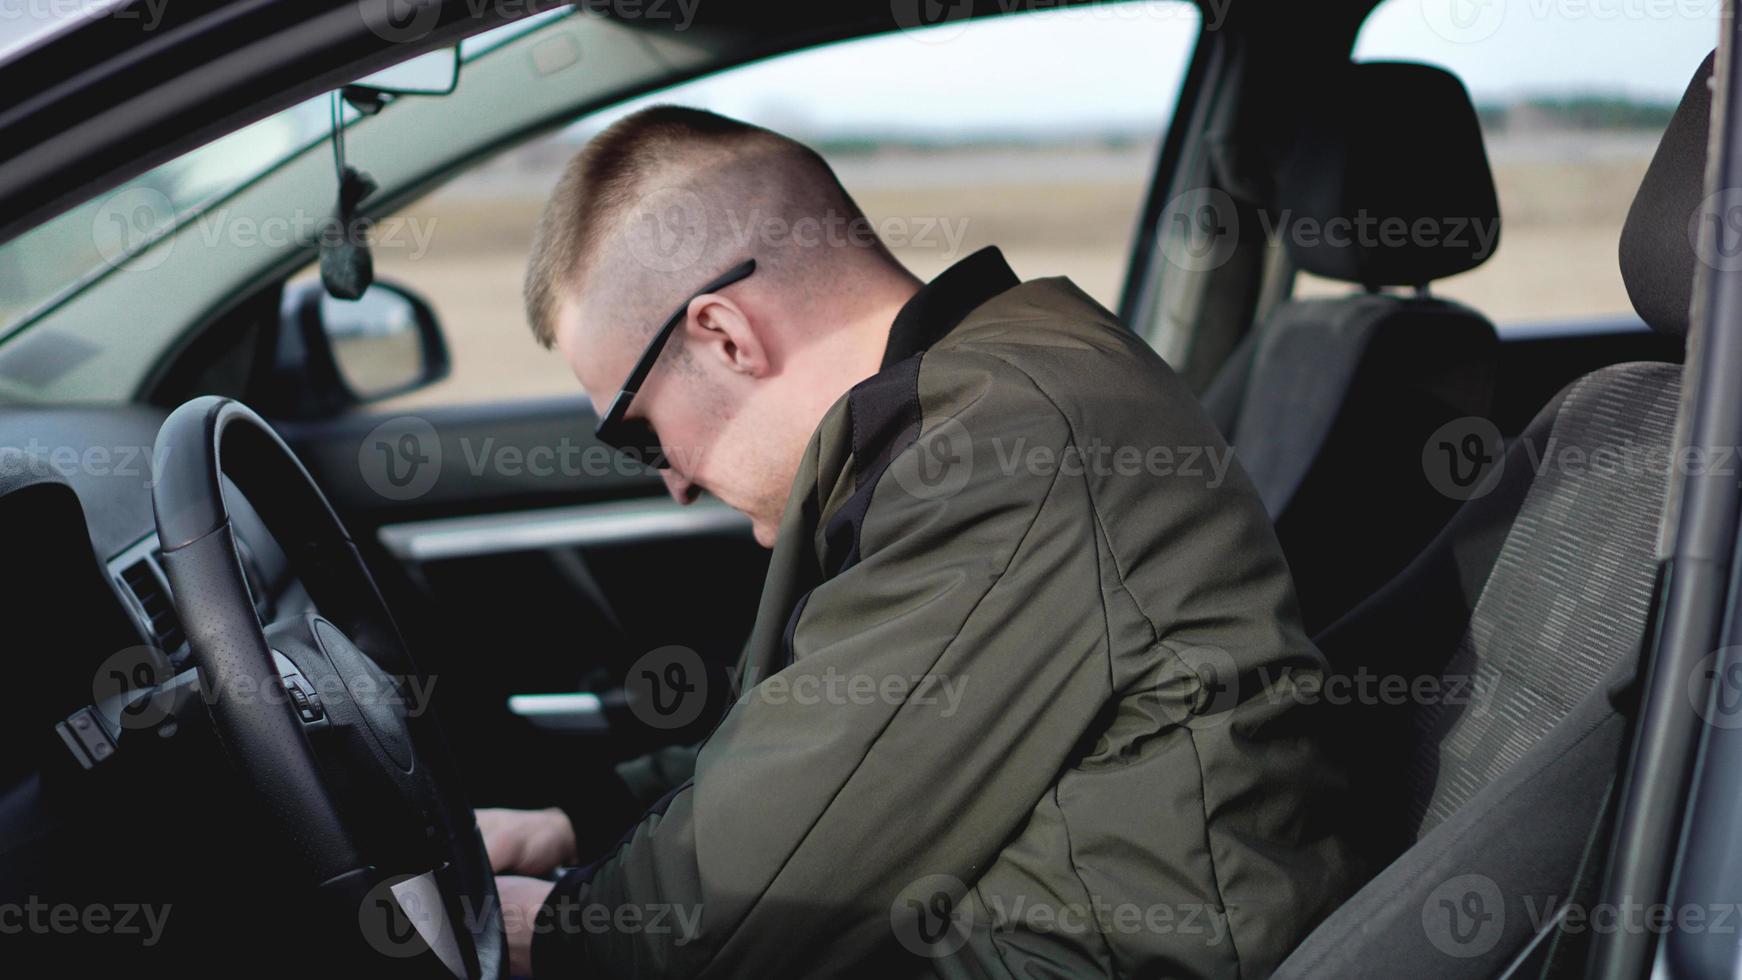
point(315, 713)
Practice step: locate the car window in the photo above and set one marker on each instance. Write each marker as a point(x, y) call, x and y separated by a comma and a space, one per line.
point(69, 252)
point(61, 256)
point(1572, 96)
point(1036, 132)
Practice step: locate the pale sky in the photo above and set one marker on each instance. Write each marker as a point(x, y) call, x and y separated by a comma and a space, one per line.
point(1508, 48)
point(1121, 64)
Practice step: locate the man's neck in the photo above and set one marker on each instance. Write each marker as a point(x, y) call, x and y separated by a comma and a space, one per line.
point(854, 350)
point(850, 353)
point(871, 332)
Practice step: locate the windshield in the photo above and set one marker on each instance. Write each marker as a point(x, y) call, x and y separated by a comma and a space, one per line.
point(57, 259)
point(54, 260)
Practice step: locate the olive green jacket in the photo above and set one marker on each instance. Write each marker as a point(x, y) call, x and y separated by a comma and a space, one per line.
point(1026, 695)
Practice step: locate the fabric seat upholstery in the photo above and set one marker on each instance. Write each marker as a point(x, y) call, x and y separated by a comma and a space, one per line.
point(1328, 401)
point(1534, 602)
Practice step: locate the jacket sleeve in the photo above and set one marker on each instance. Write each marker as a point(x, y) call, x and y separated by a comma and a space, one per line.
point(603, 805)
point(939, 684)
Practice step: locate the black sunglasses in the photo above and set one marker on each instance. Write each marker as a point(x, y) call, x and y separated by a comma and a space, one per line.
point(634, 437)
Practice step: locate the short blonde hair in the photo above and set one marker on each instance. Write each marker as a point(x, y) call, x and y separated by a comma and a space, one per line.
point(603, 183)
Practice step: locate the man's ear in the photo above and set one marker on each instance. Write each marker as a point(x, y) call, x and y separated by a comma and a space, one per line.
point(718, 328)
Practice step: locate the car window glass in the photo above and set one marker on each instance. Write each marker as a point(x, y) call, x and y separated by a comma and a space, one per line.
point(76, 248)
point(1036, 132)
point(1572, 96)
point(63, 255)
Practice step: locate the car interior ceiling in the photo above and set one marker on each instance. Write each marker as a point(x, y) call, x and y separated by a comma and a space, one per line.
point(1535, 592)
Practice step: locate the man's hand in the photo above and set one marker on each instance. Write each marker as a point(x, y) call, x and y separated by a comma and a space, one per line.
point(527, 842)
point(521, 899)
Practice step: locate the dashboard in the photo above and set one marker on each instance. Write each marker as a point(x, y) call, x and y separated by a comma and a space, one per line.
point(86, 579)
point(157, 818)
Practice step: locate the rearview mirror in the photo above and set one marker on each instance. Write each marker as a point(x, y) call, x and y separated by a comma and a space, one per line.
point(435, 73)
point(333, 353)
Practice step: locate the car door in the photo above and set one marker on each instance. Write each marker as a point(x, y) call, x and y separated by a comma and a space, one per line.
point(536, 573)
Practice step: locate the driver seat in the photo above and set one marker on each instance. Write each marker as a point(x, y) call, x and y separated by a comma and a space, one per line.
point(1484, 794)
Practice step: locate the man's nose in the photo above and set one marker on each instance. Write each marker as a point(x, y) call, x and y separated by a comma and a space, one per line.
point(679, 486)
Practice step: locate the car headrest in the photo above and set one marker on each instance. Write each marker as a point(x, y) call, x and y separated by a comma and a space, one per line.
point(1657, 242)
point(1388, 182)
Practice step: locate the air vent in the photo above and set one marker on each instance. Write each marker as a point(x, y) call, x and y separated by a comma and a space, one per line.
point(146, 584)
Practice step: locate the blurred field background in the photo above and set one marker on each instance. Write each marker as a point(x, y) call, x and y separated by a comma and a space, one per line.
point(1066, 208)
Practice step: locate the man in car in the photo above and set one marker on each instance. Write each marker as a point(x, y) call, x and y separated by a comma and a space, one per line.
point(1026, 691)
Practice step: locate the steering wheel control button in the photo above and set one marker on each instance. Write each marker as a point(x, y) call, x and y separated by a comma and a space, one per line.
point(308, 703)
point(299, 691)
point(303, 698)
point(86, 737)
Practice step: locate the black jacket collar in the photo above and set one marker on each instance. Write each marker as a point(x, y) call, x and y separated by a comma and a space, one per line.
point(946, 301)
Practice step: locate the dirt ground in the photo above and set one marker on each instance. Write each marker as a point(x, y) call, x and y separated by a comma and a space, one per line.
point(1054, 211)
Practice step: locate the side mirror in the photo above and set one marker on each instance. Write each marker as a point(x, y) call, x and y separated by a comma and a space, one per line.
point(335, 353)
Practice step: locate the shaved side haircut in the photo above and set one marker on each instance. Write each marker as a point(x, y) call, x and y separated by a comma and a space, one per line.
point(669, 197)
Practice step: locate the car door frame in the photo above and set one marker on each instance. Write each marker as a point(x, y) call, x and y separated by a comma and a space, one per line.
point(1661, 851)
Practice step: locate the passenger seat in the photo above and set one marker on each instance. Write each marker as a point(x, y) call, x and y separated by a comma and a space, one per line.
point(1330, 402)
point(1519, 632)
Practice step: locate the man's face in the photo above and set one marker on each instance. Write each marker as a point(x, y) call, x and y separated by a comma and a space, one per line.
point(722, 432)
